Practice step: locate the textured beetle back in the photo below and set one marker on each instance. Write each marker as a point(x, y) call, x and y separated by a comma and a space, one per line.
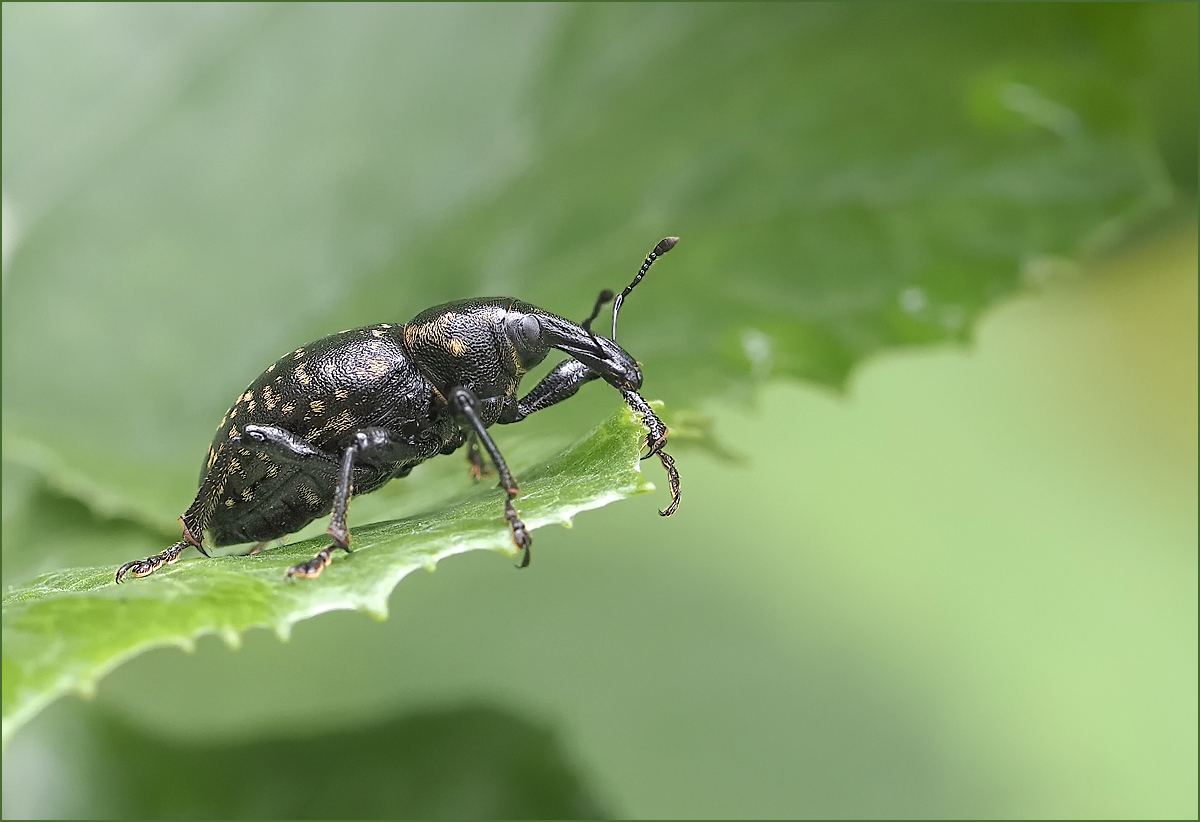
point(464, 344)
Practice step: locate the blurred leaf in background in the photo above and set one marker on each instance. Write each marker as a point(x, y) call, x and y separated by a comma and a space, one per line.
point(895, 611)
point(467, 763)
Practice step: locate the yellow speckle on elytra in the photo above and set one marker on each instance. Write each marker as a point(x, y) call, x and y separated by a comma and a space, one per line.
point(287, 409)
point(457, 347)
point(308, 495)
point(375, 367)
point(270, 368)
point(229, 503)
point(317, 406)
point(302, 376)
point(247, 494)
point(299, 353)
point(342, 422)
point(375, 332)
point(272, 470)
point(341, 393)
point(232, 413)
point(234, 465)
point(233, 432)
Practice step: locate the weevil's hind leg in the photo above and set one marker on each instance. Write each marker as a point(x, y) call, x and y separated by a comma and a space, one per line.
point(337, 523)
point(478, 468)
point(146, 567)
point(373, 447)
point(464, 402)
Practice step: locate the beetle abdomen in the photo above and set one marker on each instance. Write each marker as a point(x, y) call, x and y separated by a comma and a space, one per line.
point(322, 393)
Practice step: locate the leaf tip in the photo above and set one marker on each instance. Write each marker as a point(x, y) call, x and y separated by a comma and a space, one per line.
point(229, 634)
point(376, 611)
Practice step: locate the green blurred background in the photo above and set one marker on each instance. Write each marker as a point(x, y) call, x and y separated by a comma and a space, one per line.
point(965, 585)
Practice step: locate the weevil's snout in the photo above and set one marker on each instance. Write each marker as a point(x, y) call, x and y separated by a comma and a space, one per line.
point(628, 373)
point(600, 354)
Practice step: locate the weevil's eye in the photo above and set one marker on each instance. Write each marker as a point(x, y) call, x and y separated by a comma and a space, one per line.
point(530, 330)
point(528, 339)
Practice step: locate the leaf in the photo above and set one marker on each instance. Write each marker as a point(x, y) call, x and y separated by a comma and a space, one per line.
point(465, 763)
point(65, 630)
point(845, 178)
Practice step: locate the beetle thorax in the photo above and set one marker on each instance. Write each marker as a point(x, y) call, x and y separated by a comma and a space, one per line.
point(468, 343)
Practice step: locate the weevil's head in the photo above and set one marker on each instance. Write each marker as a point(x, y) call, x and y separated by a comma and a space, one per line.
point(533, 330)
point(489, 344)
point(539, 330)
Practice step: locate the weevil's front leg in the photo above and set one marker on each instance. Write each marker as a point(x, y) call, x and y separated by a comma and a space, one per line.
point(463, 401)
point(370, 445)
point(656, 440)
point(562, 382)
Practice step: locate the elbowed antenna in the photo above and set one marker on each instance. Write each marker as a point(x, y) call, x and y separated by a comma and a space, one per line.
point(664, 245)
point(604, 297)
point(586, 325)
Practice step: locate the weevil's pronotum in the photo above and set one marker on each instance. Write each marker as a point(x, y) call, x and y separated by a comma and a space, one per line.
point(347, 413)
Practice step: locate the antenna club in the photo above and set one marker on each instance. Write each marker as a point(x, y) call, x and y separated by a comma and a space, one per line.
point(665, 245)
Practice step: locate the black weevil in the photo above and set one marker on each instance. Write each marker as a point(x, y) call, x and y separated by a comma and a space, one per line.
point(349, 412)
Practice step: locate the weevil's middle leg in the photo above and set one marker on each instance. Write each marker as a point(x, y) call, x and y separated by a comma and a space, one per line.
point(464, 403)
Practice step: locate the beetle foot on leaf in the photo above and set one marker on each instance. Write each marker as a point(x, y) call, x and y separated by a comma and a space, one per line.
point(520, 533)
point(340, 535)
point(317, 564)
point(146, 567)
